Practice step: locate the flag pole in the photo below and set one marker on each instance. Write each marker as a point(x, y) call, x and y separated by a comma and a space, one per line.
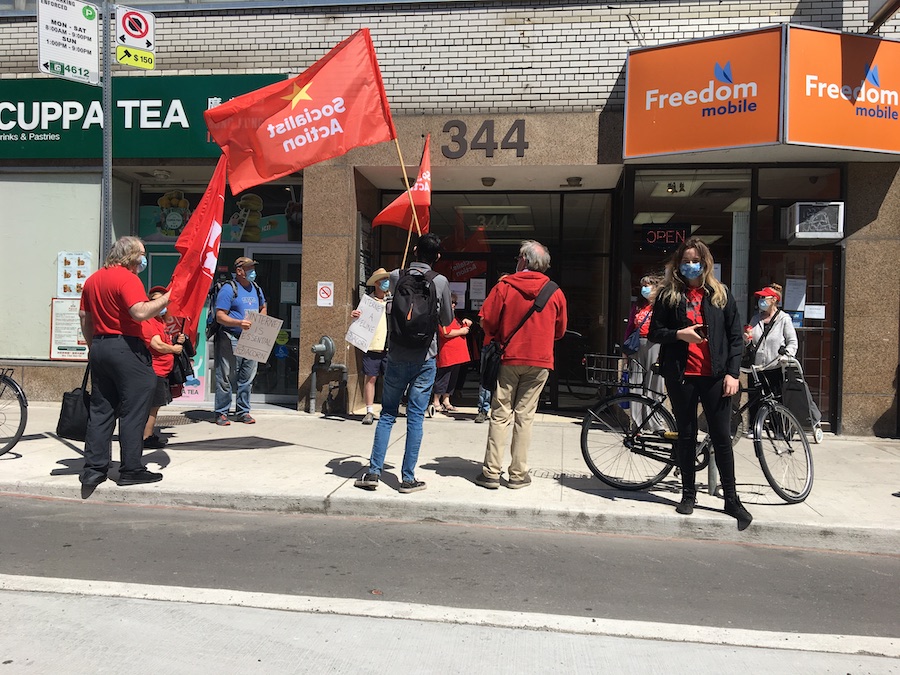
point(412, 205)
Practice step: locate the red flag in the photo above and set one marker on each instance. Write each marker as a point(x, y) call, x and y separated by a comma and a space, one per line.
point(399, 213)
point(198, 245)
point(336, 105)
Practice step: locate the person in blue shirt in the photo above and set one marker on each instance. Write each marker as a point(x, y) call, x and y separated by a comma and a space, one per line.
point(235, 373)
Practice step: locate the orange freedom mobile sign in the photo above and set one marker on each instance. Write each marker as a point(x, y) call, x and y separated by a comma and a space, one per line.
point(843, 91)
point(704, 95)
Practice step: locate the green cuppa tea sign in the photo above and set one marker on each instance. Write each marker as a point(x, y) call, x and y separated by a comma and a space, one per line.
point(152, 116)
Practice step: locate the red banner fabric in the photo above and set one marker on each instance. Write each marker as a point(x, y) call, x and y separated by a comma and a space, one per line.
point(198, 245)
point(336, 105)
point(399, 212)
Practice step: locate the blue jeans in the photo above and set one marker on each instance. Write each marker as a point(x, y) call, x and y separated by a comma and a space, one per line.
point(232, 372)
point(419, 377)
point(484, 400)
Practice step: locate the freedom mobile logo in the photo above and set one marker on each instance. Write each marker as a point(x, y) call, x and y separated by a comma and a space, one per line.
point(884, 101)
point(726, 97)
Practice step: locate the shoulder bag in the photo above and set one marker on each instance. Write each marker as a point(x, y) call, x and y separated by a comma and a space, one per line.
point(492, 353)
point(751, 349)
point(75, 411)
point(632, 343)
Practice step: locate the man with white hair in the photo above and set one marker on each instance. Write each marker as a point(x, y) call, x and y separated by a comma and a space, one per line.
point(526, 362)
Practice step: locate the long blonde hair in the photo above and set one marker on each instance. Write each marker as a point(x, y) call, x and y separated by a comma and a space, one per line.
point(674, 285)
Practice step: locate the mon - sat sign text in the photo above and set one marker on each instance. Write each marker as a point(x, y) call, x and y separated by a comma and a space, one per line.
point(152, 116)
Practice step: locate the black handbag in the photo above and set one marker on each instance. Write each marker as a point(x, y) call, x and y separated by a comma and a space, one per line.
point(73, 417)
point(492, 353)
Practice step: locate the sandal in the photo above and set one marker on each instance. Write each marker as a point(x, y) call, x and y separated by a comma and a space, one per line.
point(448, 408)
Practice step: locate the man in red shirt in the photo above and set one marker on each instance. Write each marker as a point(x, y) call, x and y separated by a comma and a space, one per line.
point(526, 363)
point(113, 304)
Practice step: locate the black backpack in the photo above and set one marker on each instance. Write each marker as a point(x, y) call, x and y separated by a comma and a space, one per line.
point(212, 326)
point(414, 309)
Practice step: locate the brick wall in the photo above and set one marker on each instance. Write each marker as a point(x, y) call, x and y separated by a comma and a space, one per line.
point(461, 57)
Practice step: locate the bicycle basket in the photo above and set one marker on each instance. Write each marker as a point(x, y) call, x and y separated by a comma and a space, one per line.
point(604, 369)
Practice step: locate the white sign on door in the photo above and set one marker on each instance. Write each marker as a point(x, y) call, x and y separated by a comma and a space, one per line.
point(69, 40)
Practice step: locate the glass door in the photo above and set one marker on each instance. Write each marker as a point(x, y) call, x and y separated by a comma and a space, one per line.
point(278, 274)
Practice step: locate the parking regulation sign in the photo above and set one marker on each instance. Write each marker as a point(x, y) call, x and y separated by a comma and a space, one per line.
point(135, 28)
point(69, 40)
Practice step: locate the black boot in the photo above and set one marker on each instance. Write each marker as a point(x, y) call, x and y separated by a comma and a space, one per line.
point(688, 499)
point(736, 510)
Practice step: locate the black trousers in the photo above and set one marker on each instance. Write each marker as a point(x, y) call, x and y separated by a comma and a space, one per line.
point(684, 397)
point(122, 386)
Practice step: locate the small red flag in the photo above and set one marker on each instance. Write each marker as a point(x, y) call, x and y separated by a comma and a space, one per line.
point(198, 245)
point(336, 105)
point(399, 212)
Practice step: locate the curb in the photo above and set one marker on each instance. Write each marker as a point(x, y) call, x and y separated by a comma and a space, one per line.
point(850, 539)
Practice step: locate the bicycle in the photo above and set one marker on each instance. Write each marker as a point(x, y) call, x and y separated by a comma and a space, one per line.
point(13, 411)
point(627, 455)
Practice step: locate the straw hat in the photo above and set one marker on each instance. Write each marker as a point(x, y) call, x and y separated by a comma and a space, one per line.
point(377, 276)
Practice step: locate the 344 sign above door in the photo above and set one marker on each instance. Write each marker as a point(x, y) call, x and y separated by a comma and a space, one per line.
point(483, 139)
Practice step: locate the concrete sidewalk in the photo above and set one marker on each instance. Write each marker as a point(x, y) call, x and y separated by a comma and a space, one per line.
point(296, 462)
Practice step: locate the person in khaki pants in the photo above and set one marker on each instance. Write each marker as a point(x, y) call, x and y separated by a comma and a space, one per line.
point(526, 363)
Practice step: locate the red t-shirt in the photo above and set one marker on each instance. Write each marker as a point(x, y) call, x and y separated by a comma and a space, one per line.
point(108, 294)
point(452, 350)
point(698, 360)
point(162, 363)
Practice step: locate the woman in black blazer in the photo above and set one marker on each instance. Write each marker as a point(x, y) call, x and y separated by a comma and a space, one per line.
point(696, 322)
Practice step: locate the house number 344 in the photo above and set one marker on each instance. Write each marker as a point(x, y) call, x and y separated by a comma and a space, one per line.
point(484, 139)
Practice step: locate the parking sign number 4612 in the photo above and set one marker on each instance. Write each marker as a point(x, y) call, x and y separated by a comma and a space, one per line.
point(483, 139)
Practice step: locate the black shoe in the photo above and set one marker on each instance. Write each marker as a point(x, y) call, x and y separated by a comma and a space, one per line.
point(154, 442)
point(686, 505)
point(514, 484)
point(408, 486)
point(485, 482)
point(92, 479)
point(736, 510)
point(369, 481)
point(139, 477)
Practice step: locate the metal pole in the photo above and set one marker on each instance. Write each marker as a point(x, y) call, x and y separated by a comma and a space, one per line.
point(106, 237)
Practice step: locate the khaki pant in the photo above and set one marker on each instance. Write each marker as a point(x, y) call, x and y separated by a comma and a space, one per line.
point(518, 391)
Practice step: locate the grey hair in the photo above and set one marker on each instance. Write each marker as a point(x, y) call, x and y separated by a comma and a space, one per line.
point(125, 252)
point(537, 257)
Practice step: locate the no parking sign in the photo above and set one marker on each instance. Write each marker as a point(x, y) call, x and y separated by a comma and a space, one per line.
point(135, 28)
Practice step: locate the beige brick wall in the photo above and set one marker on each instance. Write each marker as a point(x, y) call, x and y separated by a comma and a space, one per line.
point(464, 57)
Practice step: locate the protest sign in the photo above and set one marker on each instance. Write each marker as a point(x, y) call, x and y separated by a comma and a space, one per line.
point(362, 330)
point(257, 341)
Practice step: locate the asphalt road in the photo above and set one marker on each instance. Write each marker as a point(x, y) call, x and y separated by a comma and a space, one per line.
point(611, 577)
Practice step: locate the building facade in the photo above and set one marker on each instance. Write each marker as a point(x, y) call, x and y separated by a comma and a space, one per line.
point(525, 105)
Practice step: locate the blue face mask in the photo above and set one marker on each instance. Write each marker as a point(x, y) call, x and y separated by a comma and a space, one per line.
point(690, 270)
point(385, 285)
point(163, 311)
point(763, 304)
point(143, 264)
point(251, 275)
point(646, 291)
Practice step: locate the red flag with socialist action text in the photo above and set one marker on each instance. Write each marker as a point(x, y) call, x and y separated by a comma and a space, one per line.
point(198, 245)
point(336, 105)
point(399, 212)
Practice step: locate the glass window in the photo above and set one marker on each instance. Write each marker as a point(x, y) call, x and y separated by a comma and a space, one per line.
point(811, 184)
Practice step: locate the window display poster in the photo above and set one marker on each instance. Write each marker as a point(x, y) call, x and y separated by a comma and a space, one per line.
point(67, 342)
point(73, 267)
point(794, 294)
point(289, 292)
point(478, 289)
point(460, 288)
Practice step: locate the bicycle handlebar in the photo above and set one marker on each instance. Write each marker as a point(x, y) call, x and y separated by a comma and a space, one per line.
point(783, 358)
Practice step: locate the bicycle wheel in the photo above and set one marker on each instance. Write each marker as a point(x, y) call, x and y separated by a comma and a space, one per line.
point(618, 453)
point(13, 414)
point(784, 452)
